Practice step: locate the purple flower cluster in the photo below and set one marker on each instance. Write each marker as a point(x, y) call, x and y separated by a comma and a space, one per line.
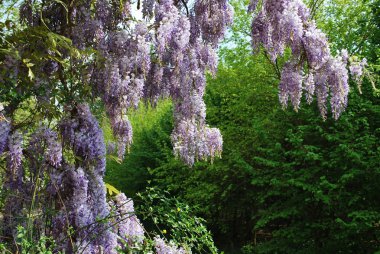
point(82, 189)
point(337, 78)
point(89, 27)
point(125, 222)
point(185, 49)
point(79, 212)
point(82, 133)
point(357, 68)
point(162, 247)
point(167, 58)
point(45, 142)
point(193, 142)
point(190, 139)
point(120, 82)
point(5, 128)
point(73, 188)
point(26, 12)
point(291, 85)
point(282, 24)
point(148, 7)
point(15, 143)
point(14, 184)
point(54, 149)
point(213, 17)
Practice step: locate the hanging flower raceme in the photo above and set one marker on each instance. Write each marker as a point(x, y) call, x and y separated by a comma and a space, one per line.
point(15, 143)
point(125, 222)
point(5, 128)
point(44, 142)
point(213, 17)
point(291, 85)
point(163, 247)
point(287, 24)
point(14, 184)
point(82, 133)
point(357, 69)
point(185, 51)
point(120, 82)
point(82, 189)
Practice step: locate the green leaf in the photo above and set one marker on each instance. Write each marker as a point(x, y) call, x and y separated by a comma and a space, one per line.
point(111, 189)
point(30, 74)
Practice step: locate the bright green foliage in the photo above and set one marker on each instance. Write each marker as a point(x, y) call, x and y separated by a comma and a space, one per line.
point(352, 24)
point(316, 187)
point(171, 219)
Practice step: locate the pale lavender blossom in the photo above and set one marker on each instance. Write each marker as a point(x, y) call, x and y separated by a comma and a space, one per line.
point(291, 86)
point(5, 128)
point(252, 5)
point(148, 7)
point(309, 87)
point(121, 81)
point(125, 222)
point(345, 56)
point(163, 247)
point(281, 24)
point(214, 142)
point(356, 69)
point(339, 88)
point(83, 133)
point(15, 143)
point(54, 148)
point(111, 147)
point(213, 17)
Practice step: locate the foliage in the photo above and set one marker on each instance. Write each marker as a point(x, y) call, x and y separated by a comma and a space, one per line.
point(332, 16)
point(168, 224)
point(151, 127)
point(315, 188)
point(44, 245)
point(172, 219)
